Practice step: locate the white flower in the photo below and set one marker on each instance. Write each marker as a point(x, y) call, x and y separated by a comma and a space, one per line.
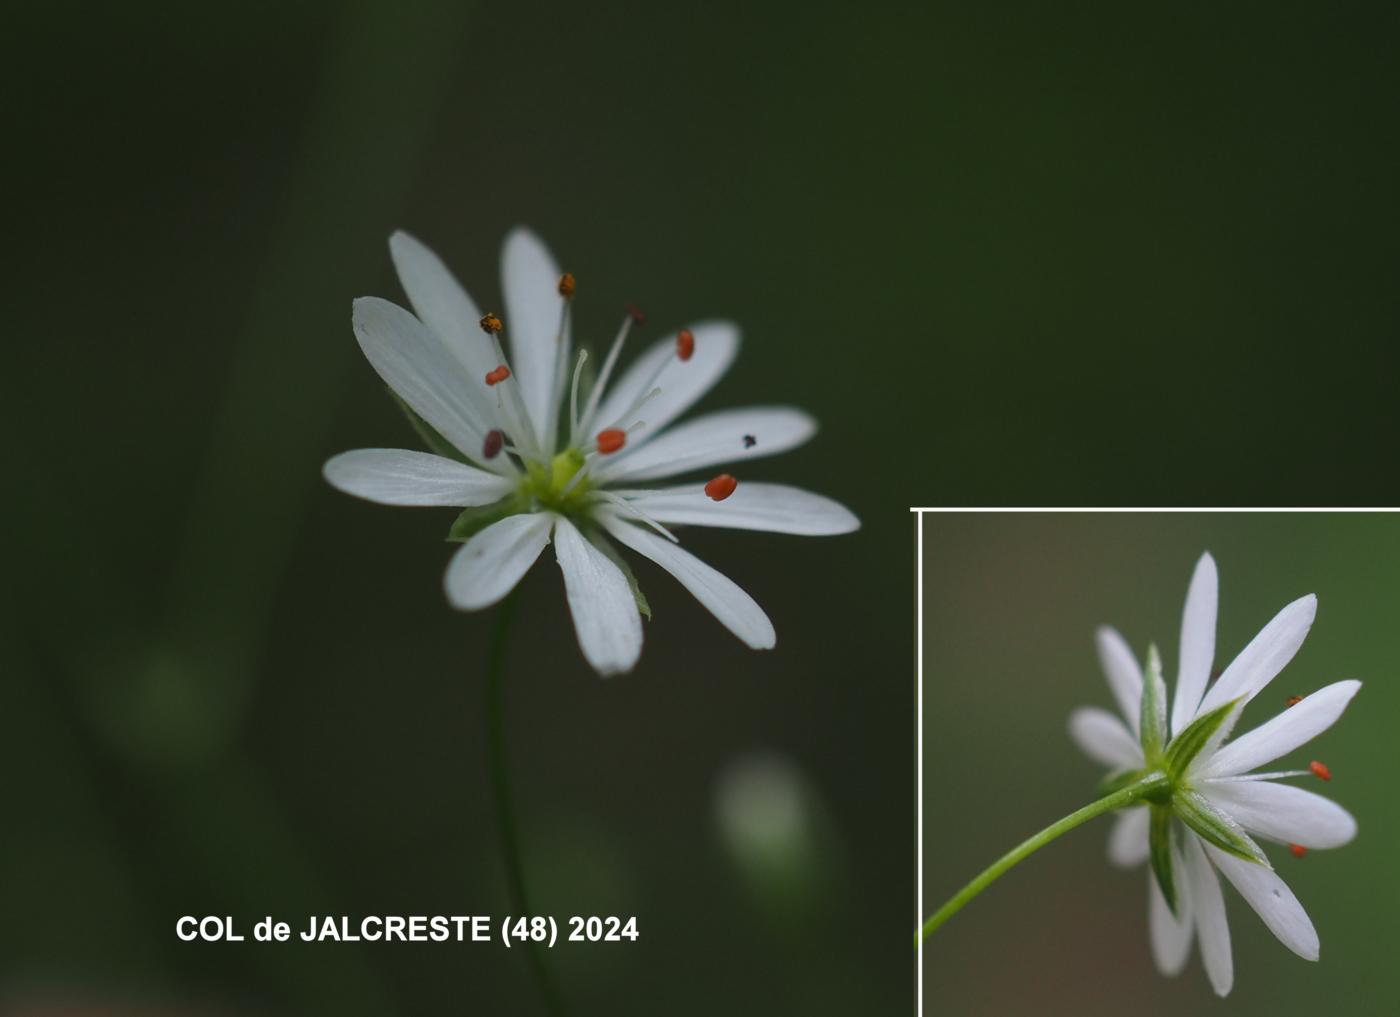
point(534, 455)
point(1206, 821)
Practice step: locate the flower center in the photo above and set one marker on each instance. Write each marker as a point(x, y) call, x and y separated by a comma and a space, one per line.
point(556, 485)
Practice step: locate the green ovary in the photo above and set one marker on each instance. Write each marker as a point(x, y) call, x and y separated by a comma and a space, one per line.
point(545, 484)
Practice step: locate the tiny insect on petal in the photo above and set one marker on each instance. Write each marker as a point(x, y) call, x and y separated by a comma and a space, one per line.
point(685, 344)
point(1297, 850)
point(498, 375)
point(490, 323)
point(567, 285)
point(611, 440)
point(491, 447)
point(721, 487)
point(1320, 770)
point(750, 441)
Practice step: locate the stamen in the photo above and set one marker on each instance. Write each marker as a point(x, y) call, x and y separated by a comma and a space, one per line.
point(573, 394)
point(611, 440)
point(1275, 775)
point(1292, 701)
point(567, 285)
point(685, 344)
point(627, 506)
point(1319, 770)
point(1297, 850)
point(495, 441)
point(721, 487)
point(596, 396)
point(750, 441)
point(490, 324)
point(635, 313)
point(497, 375)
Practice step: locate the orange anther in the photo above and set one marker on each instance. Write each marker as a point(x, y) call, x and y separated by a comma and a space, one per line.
point(500, 374)
point(490, 323)
point(721, 487)
point(1298, 850)
point(685, 344)
point(1320, 770)
point(611, 440)
point(1293, 701)
point(567, 285)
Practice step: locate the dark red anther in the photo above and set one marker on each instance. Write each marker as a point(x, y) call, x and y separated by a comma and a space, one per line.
point(1297, 850)
point(635, 313)
point(685, 344)
point(491, 447)
point(567, 285)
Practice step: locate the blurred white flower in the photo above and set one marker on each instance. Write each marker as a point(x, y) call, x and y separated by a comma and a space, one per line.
point(1206, 821)
point(534, 454)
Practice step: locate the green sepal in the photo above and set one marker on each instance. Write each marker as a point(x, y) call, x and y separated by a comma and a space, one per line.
point(1186, 746)
point(436, 443)
point(602, 543)
point(473, 520)
point(1159, 842)
point(1215, 827)
point(1152, 720)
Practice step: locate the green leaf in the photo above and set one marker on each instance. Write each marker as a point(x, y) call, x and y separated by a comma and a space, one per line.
point(1215, 827)
point(1160, 842)
point(603, 544)
point(436, 443)
point(1207, 729)
point(1152, 721)
point(475, 519)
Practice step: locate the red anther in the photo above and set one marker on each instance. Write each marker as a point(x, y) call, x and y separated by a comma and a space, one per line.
point(567, 285)
point(490, 323)
point(1293, 701)
point(685, 344)
point(500, 374)
point(1320, 770)
point(611, 440)
point(491, 447)
point(1298, 850)
point(635, 313)
point(721, 487)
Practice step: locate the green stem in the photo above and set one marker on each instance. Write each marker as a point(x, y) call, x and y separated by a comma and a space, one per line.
point(1129, 795)
point(505, 809)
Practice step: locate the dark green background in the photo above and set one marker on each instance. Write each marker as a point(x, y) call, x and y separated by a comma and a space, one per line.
point(1069, 254)
point(1011, 604)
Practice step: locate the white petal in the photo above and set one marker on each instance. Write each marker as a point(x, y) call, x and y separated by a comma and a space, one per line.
point(1271, 899)
point(1293, 727)
point(1103, 738)
point(1123, 673)
point(1197, 642)
point(714, 438)
point(735, 609)
point(1287, 814)
point(1170, 934)
point(774, 508)
point(1127, 841)
point(1211, 923)
point(441, 303)
point(426, 373)
point(681, 382)
point(534, 312)
point(605, 614)
point(488, 566)
point(400, 477)
point(1266, 655)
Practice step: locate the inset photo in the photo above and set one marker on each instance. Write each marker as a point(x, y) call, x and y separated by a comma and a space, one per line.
point(1156, 761)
